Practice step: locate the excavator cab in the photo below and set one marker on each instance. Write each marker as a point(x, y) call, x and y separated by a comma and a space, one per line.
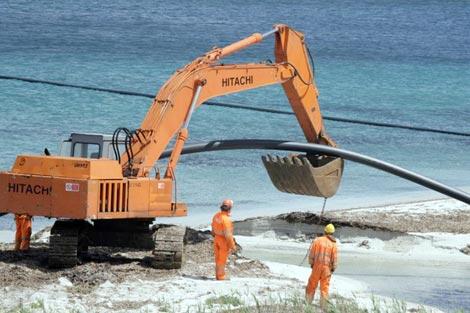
point(90, 146)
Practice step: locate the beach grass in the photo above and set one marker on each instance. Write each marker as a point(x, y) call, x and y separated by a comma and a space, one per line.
point(234, 303)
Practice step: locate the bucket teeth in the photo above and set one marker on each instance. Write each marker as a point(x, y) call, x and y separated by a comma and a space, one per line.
point(296, 174)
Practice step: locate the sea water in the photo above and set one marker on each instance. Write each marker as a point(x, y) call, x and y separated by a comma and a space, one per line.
point(400, 62)
point(405, 62)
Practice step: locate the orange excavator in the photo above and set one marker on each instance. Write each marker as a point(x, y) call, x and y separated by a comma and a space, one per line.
point(102, 189)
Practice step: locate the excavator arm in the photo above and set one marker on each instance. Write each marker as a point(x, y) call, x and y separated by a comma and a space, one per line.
point(206, 77)
point(174, 105)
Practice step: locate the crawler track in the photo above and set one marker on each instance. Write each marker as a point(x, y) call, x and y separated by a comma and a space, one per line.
point(67, 243)
point(169, 245)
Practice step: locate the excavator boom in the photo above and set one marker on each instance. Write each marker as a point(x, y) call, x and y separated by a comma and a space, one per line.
point(172, 106)
point(206, 78)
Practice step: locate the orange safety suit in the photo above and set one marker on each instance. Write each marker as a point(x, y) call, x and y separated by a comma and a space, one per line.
point(23, 232)
point(323, 258)
point(224, 244)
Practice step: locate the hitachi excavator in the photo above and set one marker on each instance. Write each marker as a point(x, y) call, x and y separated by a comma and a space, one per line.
point(102, 189)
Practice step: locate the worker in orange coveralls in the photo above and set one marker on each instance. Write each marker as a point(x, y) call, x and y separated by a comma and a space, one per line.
point(323, 260)
point(23, 232)
point(224, 244)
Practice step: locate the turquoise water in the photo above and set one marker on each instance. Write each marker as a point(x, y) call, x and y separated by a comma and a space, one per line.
point(393, 62)
point(402, 62)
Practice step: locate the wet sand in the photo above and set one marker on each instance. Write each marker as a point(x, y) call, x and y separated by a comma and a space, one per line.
point(380, 246)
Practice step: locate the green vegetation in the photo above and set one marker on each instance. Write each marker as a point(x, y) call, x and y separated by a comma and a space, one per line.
point(37, 306)
point(234, 303)
point(224, 301)
point(297, 304)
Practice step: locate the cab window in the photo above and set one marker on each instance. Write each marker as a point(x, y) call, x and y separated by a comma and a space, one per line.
point(86, 150)
point(65, 148)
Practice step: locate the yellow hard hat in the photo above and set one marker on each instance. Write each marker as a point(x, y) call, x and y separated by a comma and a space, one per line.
point(329, 229)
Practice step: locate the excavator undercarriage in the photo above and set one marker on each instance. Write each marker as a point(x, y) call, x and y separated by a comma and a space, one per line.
point(70, 240)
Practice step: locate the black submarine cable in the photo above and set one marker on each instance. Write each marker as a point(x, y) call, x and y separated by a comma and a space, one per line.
point(261, 144)
point(242, 107)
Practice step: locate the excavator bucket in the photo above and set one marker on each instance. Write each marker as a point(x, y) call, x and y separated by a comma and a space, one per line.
point(318, 176)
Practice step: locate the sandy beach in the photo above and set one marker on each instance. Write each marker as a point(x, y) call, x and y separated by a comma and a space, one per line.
point(376, 244)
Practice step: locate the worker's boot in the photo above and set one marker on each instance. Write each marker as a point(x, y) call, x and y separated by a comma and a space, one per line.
point(309, 298)
point(323, 304)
